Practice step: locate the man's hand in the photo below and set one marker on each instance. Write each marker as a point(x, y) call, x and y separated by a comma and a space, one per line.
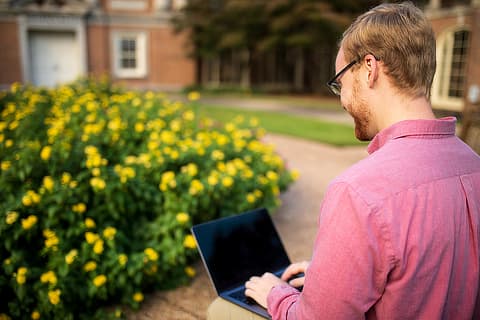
point(258, 288)
point(294, 269)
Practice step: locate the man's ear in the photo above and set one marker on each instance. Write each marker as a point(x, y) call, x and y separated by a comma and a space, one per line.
point(372, 66)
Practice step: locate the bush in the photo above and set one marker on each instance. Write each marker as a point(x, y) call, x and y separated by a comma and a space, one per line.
point(99, 187)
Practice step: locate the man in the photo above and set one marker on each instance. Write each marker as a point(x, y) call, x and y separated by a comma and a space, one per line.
point(399, 231)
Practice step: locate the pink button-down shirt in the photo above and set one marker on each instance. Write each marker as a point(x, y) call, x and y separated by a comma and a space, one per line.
point(398, 233)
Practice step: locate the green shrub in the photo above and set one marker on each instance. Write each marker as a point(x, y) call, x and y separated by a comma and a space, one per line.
point(99, 187)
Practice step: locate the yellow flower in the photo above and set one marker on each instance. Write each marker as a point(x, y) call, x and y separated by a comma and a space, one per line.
point(251, 198)
point(9, 143)
point(273, 176)
point(167, 137)
point(70, 257)
point(254, 122)
point(66, 178)
point(96, 172)
point(212, 180)
point(51, 238)
point(12, 217)
point(122, 259)
point(97, 183)
point(218, 155)
point(90, 150)
point(175, 125)
point(193, 96)
point(191, 169)
point(138, 297)
point(22, 271)
point(98, 246)
point(30, 198)
point(93, 161)
point(189, 242)
point(295, 174)
point(99, 280)
point(90, 266)
point(168, 180)
point(49, 277)
point(21, 275)
point(48, 183)
point(188, 115)
point(79, 207)
point(227, 181)
point(54, 296)
point(190, 271)
point(183, 217)
point(195, 187)
point(139, 127)
point(5, 165)
point(29, 222)
point(151, 254)
point(35, 315)
point(109, 233)
point(45, 153)
point(91, 237)
point(90, 223)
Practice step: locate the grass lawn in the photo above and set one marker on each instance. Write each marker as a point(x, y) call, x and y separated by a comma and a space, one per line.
point(287, 124)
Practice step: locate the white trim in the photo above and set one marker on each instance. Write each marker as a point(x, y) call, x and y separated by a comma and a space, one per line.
point(135, 5)
point(141, 54)
point(51, 23)
point(440, 97)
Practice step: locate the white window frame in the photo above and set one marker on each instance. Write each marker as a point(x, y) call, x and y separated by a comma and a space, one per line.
point(441, 82)
point(140, 71)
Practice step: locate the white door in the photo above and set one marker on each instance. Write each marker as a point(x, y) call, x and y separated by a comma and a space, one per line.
point(54, 57)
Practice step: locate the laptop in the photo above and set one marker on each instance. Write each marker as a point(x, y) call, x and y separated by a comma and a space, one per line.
point(235, 248)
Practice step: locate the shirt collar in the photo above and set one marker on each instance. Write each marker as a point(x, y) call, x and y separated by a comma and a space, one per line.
point(437, 128)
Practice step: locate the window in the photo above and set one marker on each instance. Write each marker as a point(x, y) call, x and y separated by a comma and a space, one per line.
point(457, 65)
point(449, 85)
point(129, 54)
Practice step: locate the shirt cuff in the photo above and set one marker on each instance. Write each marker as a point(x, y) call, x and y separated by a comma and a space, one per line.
point(280, 299)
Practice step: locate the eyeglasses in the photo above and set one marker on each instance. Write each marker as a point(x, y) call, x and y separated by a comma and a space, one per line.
point(334, 85)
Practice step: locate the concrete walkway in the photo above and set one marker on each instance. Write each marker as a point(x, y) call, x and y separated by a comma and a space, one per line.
point(295, 219)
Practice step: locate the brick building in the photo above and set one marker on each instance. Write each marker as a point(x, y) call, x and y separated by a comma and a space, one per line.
point(49, 41)
point(457, 29)
point(46, 42)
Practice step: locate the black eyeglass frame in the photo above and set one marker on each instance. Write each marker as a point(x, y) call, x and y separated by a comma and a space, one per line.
point(333, 84)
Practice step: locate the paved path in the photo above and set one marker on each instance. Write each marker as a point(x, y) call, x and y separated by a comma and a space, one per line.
point(295, 220)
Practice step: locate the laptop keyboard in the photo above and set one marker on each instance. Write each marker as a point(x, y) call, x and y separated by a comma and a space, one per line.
point(240, 295)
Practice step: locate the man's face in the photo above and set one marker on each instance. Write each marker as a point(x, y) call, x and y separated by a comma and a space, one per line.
point(352, 99)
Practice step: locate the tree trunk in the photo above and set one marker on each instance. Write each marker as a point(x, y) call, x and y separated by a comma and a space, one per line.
point(215, 74)
point(245, 70)
point(299, 70)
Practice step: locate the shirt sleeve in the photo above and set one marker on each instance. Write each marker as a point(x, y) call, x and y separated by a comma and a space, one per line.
point(349, 266)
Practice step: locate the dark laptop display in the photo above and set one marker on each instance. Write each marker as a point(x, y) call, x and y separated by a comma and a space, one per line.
point(235, 248)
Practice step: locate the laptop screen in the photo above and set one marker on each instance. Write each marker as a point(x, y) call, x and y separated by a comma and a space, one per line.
point(238, 247)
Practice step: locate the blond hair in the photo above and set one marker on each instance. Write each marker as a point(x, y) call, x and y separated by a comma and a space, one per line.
point(402, 38)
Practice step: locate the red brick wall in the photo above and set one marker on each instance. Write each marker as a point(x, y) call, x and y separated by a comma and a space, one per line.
point(98, 50)
point(441, 24)
point(168, 60)
point(472, 21)
point(168, 66)
point(474, 55)
point(10, 58)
